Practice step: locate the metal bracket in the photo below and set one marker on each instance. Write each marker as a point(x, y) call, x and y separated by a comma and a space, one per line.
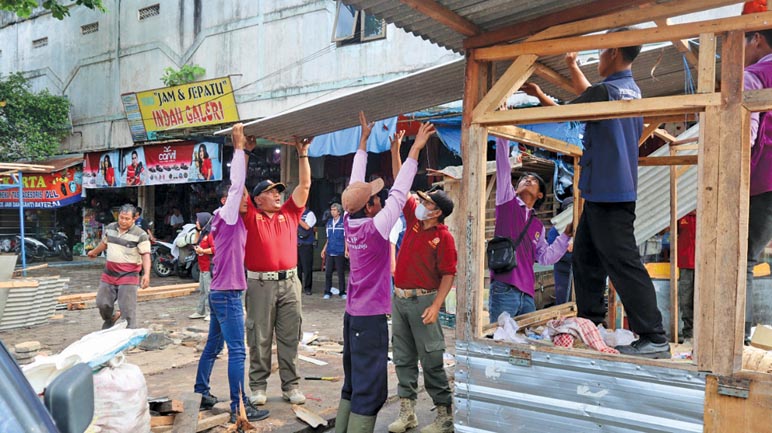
point(733, 387)
point(520, 358)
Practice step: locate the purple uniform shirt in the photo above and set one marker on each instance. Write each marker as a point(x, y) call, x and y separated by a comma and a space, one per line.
point(230, 234)
point(511, 216)
point(369, 282)
point(759, 76)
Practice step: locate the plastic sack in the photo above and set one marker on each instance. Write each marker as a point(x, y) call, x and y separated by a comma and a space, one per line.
point(94, 349)
point(617, 337)
point(507, 330)
point(120, 400)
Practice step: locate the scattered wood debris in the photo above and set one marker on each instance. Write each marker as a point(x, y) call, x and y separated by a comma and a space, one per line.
point(308, 417)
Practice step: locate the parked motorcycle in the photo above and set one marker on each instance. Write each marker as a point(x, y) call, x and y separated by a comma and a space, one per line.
point(55, 245)
point(165, 264)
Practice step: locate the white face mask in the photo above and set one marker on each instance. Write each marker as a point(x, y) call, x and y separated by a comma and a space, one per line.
point(421, 212)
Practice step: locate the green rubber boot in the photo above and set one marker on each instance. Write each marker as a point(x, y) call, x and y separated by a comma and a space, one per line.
point(341, 420)
point(361, 424)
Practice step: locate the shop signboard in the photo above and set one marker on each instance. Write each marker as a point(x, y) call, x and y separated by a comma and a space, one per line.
point(202, 103)
point(180, 162)
point(44, 191)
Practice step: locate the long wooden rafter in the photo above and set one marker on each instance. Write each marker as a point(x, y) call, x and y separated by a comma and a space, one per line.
point(554, 77)
point(680, 44)
point(517, 73)
point(750, 22)
point(531, 138)
point(444, 16)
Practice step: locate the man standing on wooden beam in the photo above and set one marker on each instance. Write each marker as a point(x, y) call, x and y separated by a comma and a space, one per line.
point(758, 75)
point(605, 241)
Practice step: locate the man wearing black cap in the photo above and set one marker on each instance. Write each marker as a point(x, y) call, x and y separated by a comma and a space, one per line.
point(512, 290)
point(273, 297)
point(426, 267)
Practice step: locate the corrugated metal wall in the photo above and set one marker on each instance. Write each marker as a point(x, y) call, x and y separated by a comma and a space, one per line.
point(500, 391)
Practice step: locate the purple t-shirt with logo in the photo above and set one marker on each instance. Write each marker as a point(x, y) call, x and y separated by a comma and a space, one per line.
point(511, 216)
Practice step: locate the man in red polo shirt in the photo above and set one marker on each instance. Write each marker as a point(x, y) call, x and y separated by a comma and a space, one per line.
point(687, 234)
point(273, 287)
point(426, 267)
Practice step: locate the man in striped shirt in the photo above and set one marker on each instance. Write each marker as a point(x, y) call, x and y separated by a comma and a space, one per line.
point(128, 251)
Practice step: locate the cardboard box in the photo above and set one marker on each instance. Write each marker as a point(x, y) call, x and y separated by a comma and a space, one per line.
point(762, 337)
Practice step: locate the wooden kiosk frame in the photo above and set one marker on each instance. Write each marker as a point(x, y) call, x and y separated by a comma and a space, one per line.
point(723, 191)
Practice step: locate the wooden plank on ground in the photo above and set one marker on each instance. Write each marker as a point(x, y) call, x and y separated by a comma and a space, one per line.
point(312, 360)
point(161, 420)
point(187, 421)
point(19, 284)
point(31, 268)
point(171, 406)
point(308, 417)
point(208, 422)
point(77, 297)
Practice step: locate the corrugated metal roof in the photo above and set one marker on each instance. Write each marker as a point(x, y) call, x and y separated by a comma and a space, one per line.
point(486, 14)
point(658, 72)
point(502, 389)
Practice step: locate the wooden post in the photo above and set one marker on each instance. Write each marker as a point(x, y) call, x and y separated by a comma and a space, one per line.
point(578, 207)
point(673, 250)
point(722, 235)
point(471, 244)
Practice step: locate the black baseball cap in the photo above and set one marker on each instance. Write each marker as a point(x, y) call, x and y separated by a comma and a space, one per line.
point(265, 186)
point(439, 198)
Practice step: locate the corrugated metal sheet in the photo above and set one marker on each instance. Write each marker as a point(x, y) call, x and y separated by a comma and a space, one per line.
point(439, 85)
point(29, 306)
point(553, 393)
point(652, 209)
point(485, 14)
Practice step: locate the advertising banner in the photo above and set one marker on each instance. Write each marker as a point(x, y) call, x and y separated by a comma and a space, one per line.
point(44, 191)
point(181, 162)
point(201, 103)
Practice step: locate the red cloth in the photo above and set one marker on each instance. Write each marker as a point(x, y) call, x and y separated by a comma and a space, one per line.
point(755, 6)
point(205, 260)
point(577, 327)
point(206, 169)
point(110, 176)
point(687, 236)
point(272, 243)
point(425, 255)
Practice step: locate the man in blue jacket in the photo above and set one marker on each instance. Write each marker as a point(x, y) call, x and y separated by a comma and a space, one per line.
point(604, 245)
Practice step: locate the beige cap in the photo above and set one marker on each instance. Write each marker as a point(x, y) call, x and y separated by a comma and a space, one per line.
point(356, 195)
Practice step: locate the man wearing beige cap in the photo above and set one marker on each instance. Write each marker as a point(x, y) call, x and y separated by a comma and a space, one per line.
point(367, 222)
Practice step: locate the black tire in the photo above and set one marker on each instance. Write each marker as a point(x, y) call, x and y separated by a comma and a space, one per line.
point(66, 253)
point(161, 269)
point(195, 272)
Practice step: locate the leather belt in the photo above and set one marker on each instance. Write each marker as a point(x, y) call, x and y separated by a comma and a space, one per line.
point(272, 276)
point(412, 293)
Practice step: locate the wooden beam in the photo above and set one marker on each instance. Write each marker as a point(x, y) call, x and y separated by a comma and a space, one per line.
point(684, 147)
point(722, 240)
point(661, 133)
point(520, 30)
point(471, 266)
point(647, 161)
point(758, 100)
point(517, 74)
point(540, 317)
point(535, 139)
point(750, 22)
point(673, 251)
point(681, 45)
point(444, 16)
point(648, 129)
point(602, 110)
point(554, 77)
point(630, 16)
point(671, 118)
point(706, 69)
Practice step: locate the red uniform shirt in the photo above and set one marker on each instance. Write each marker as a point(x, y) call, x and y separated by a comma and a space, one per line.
point(687, 235)
point(425, 255)
point(205, 260)
point(272, 243)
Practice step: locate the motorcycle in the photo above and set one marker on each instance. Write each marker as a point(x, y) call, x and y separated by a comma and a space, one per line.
point(164, 263)
point(56, 244)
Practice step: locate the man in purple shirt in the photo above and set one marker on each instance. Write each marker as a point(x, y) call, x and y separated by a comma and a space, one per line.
point(368, 221)
point(758, 75)
point(228, 283)
point(512, 291)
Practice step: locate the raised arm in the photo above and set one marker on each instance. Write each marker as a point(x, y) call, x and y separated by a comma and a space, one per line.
point(548, 254)
point(230, 211)
point(300, 194)
point(359, 167)
point(504, 189)
point(578, 80)
point(396, 159)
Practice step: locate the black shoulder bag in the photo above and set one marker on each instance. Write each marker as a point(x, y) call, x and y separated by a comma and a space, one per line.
point(502, 251)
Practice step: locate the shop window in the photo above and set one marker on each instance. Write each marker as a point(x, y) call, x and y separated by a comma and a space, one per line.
point(40, 43)
point(89, 28)
point(353, 26)
point(149, 11)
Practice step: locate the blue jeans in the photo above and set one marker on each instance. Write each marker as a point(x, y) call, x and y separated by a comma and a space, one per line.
point(225, 327)
point(506, 297)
